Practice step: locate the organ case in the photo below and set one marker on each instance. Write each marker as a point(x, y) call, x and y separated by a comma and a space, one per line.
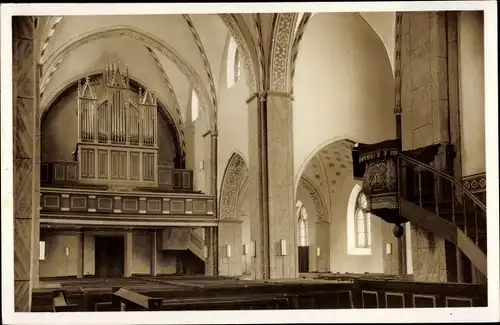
point(117, 133)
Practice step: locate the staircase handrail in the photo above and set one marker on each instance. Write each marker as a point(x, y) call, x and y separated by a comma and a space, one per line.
point(478, 202)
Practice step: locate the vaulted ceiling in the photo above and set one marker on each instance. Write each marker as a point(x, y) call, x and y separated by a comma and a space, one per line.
point(170, 53)
point(328, 169)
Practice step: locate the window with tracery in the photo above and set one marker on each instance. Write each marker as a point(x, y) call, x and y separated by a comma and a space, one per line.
point(362, 226)
point(195, 106)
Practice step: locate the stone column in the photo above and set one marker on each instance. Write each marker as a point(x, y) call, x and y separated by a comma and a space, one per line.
point(213, 251)
point(426, 111)
point(232, 265)
point(424, 79)
point(211, 243)
point(79, 251)
point(281, 192)
point(128, 254)
point(25, 124)
point(154, 252)
point(271, 182)
point(257, 181)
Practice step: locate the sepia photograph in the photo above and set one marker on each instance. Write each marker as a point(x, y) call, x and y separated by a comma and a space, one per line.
point(248, 158)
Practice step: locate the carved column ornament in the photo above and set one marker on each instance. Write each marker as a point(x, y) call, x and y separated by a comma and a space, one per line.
point(231, 182)
point(315, 197)
point(281, 51)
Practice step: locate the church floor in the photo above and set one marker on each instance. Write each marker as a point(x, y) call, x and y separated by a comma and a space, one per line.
point(212, 293)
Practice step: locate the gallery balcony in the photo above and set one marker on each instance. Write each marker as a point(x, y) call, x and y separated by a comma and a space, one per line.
point(68, 174)
point(66, 200)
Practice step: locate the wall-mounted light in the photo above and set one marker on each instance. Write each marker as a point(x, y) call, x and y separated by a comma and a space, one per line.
point(245, 249)
point(202, 165)
point(67, 251)
point(205, 251)
point(228, 250)
point(42, 251)
point(318, 251)
point(283, 248)
point(388, 248)
point(253, 248)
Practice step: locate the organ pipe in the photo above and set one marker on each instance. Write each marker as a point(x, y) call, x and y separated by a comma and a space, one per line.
point(116, 118)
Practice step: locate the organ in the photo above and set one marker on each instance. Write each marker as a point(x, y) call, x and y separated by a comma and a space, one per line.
point(117, 131)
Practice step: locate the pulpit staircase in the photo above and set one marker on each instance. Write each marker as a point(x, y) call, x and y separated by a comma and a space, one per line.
point(442, 205)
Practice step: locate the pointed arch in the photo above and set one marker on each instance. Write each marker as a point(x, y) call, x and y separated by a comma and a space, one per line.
point(231, 183)
point(317, 199)
point(54, 61)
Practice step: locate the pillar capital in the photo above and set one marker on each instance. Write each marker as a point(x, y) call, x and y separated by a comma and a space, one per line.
point(262, 96)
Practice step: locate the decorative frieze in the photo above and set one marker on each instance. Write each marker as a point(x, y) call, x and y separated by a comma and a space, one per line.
point(475, 183)
point(94, 202)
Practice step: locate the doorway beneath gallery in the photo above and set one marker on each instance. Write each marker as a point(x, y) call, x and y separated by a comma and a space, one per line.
point(109, 256)
point(303, 259)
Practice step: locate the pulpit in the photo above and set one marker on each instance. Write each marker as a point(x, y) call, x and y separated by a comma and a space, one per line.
point(376, 165)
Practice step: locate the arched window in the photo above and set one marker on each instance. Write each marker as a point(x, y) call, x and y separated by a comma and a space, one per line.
point(237, 65)
point(195, 106)
point(303, 225)
point(359, 238)
point(362, 223)
point(233, 63)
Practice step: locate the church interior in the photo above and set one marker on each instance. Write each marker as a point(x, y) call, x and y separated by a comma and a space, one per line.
point(249, 161)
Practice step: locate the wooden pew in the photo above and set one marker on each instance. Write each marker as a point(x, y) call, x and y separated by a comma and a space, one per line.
point(230, 303)
point(60, 303)
point(411, 294)
point(133, 301)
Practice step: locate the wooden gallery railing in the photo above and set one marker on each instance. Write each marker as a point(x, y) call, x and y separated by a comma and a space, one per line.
point(66, 173)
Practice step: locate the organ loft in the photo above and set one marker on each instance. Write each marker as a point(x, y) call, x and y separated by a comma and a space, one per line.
point(252, 155)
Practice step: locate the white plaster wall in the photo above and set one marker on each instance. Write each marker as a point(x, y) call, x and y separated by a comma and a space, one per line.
point(384, 24)
point(471, 81)
point(340, 261)
point(245, 240)
point(168, 29)
point(233, 123)
point(202, 150)
point(343, 85)
point(56, 262)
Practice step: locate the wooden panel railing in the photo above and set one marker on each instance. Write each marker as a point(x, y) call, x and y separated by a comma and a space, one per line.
point(85, 203)
point(178, 179)
point(66, 173)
